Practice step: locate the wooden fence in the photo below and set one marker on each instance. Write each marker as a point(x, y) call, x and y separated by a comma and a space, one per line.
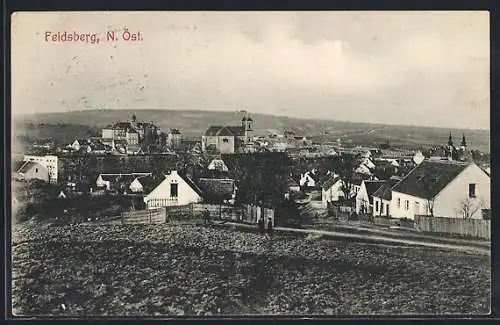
point(245, 213)
point(144, 216)
point(477, 228)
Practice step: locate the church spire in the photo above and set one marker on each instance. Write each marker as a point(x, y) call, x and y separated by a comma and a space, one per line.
point(450, 140)
point(463, 144)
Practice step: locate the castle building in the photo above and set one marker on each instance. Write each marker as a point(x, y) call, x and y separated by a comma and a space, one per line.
point(460, 153)
point(133, 132)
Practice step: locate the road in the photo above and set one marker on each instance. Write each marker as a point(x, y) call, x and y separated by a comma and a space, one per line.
point(378, 239)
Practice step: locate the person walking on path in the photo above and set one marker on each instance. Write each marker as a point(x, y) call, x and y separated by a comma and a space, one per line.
point(261, 226)
point(206, 216)
point(270, 226)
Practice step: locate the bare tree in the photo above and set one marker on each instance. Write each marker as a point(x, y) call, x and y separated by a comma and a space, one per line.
point(428, 184)
point(347, 165)
point(468, 207)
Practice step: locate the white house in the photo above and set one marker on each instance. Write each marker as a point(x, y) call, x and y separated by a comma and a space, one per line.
point(382, 198)
point(308, 179)
point(454, 189)
point(174, 190)
point(368, 163)
point(363, 169)
point(418, 158)
point(217, 164)
point(364, 198)
point(50, 162)
point(331, 190)
point(105, 180)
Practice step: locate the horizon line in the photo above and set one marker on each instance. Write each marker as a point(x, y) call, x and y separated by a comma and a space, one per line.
point(249, 112)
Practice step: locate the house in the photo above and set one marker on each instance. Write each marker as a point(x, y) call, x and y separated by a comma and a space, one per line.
point(309, 179)
point(97, 147)
point(134, 149)
point(382, 198)
point(174, 139)
point(363, 169)
point(143, 184)
point(418, 158)
point(332, 190)
point(32, 170)
point(108, 181)
point(80, 144)
point(176, 189)
point(216, 189)
point(217, 164)
point(450, 188)
point(50, 162)
point(227, 139)
point(293, 185)
point(364, 197)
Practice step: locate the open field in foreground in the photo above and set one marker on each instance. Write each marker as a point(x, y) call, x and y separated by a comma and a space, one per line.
point(188, 270)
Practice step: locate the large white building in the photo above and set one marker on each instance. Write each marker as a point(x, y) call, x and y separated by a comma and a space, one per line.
point(49, 162)
point(454, 189)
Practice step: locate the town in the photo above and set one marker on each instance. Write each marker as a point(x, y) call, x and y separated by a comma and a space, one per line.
point(135, 162)
point(240, 164)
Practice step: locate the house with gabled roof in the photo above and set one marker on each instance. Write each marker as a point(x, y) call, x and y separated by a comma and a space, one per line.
point(382, 197)
point(176, 189)
point(364, 197)
point(448, 188)
point(331, 189)
point(309, 179)
point(28, 170)
point(217, 164)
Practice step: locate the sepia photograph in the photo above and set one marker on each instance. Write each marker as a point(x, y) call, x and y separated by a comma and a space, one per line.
point(238, 164)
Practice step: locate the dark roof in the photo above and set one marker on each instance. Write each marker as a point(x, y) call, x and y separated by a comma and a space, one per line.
point(175, 131)
point(217, 187)
point(27, 166)
point(385, 191)
point(149, 182)
point(16, 165)
point(82, 141)
point(225, 131)
point(131, 130)
point(120, 141)
point(244, 118)
point(191, 183)
point(109, 178)
point(429, 178)
point(372, 187)
point(332, 179)
point(123, 125)
point(292, 182)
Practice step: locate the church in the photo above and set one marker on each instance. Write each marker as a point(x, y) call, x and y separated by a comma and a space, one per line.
point(460, 153)
point(229, 138)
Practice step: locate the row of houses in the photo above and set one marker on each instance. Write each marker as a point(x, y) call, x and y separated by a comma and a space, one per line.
point(434, 187)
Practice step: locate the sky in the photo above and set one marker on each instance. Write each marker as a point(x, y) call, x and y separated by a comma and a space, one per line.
point(415, 68)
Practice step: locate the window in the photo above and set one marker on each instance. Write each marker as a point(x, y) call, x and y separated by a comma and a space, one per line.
point(36, 170)
point(407, 205)
point(399, 202)
point(174, 190)
point(376, 206)
point(225, 140)
point(472, 190)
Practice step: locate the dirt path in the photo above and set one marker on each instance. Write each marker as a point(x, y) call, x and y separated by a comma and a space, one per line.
point(409, 234)
point(378, 239)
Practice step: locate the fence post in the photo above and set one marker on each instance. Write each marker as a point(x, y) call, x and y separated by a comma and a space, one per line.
point(121, 218)
point(150, 217)
point(166, 215)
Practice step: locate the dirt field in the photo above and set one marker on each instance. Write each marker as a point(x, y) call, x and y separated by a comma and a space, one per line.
point(188, 270)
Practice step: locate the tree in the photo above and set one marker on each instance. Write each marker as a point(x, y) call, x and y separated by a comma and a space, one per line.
point(468, 207)
point(346, 167)
point(428, 184)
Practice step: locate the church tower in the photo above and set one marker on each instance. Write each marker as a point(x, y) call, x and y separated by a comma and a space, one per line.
point(463, 144)
point(450, 149)
point(246, 123)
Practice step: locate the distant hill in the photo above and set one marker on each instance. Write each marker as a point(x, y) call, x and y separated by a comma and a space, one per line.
point(194, 123)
